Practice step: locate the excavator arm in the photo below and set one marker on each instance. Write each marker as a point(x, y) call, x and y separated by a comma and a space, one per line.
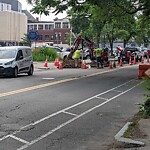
point(80, 40)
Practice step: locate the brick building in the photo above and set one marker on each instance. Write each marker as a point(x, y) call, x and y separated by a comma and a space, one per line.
point(51, 32)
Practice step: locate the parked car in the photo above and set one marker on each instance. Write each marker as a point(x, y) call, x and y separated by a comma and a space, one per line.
point(57, 49)
point(86, 54)
point(15, 60)
point(144, 52)
point(133, 52)
point(65, 52)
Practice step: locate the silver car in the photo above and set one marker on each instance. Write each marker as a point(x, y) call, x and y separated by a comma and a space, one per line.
point(15, 60)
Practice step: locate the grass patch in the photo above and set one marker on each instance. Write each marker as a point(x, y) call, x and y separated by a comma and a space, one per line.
point(133, 127)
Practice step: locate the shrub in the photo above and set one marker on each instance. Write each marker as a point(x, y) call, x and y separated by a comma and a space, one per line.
point(43, 53)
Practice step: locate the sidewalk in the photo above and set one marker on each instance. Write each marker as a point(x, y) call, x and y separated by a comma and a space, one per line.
point(142, 135)
point(40, 65)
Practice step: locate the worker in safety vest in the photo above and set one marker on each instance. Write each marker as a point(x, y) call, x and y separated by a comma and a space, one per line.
point(98, 54)
point(77, 57)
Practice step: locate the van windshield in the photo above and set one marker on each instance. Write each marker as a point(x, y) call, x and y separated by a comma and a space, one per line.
point(7, 54)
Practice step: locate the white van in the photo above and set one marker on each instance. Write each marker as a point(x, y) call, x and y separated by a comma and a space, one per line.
point(15, 60)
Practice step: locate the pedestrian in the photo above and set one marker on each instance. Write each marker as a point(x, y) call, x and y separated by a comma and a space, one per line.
point(77, 57)
point(98, 54)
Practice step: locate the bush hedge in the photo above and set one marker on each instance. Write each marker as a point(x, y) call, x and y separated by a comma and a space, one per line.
point(43, 53)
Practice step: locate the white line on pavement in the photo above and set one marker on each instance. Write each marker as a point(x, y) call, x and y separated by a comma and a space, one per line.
point(18, 139)
point(70, 113)
point(65, 109)
point(106, 99)
point(73, 119)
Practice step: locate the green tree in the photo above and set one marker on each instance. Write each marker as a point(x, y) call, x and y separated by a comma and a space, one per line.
point(143, 32)
point(25, 40)
point(127, 6)
point(127, 28)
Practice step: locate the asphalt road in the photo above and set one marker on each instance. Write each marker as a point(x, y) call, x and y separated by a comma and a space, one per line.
point(69, 109)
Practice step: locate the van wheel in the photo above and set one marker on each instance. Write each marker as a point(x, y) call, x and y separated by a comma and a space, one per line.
point(30, 73)
point(15, 73)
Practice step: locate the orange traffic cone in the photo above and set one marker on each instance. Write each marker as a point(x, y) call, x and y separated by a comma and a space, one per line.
point(56, 62)
point(130, 61)
point(147, 58)
point(46, 63)
point(110, 65)
point(134, 62)
point(84, 65)
point(142, 60)
point(120, 61)
point(60, 65)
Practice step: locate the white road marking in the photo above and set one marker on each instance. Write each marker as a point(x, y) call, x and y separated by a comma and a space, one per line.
point(73, 119)
point(117, 91)
point(18, 139)
point(65, 109)
point(48, 78)
point(106, 99)
point(70, 113)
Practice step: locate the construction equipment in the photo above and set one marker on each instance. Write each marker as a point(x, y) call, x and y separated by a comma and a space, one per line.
point(80, 41)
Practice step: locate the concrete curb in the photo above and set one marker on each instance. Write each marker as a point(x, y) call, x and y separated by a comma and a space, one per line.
point(126, 141)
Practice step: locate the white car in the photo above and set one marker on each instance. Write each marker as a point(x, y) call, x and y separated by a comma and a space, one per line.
point(15, 60)
point(65, 52)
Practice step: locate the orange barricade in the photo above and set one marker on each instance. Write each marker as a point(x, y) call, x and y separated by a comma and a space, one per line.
point(142, 69)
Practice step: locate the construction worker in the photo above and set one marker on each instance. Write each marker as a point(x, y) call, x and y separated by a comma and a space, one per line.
point(77, 57)
point(98, 54)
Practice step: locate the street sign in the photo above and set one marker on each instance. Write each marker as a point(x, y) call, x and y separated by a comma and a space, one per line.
point(33, 35)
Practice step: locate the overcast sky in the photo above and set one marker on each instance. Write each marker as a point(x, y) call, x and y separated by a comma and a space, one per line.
point(43, 18)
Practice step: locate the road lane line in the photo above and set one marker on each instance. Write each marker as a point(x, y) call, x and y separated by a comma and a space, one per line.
point(73, 119)
point(18, 139)
point(69, 113)
point(117, 91)
point(102, 98)
point(35, 87)
point(50, 84)
point(65, 109)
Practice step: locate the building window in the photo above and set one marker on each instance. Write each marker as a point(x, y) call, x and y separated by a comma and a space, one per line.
point(59, 36)
point(58, 25)
point(7, 7)
point(51, 27)
point(52, 37)
point(65, 25)
point(30, 27)
point(35, 27)
point(40, 27)
point(2, 7)
point(46, 37)
point(40, 37)
point(46, 27)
